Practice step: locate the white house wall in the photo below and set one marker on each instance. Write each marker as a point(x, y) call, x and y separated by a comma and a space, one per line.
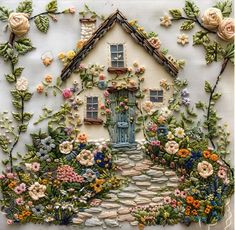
point(100, 55)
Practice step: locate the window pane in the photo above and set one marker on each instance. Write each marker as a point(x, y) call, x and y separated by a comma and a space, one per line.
point(89, 114)
point(113, 48)
point(95, 115)
point(114, 64)
point(120, 63)
point(153, 99)
point(120, 47)
point(160, 99)
point(160, 92)
point(120, 56)
point(89, 100)
point(153, 92)
point(114, 56)
point(95, 99)
point(95, 107)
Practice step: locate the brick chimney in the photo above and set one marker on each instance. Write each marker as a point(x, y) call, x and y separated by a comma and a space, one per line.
point(88, 26)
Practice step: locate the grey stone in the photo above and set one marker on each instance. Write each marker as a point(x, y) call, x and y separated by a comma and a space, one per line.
point(154, 188)
point(170, 173)
point(167, 193)
point(111, 223)
point(121, 162)
point(126, 195)
point(84, 215)
point(123, 155)
point(108, 215)
point(111, 197)
point(143, 183)
point(128, 166)
point(157, 199)
point(126, 217)
point(123, 210)
point(128, 202)
point(136, 157)
point(156, 167)
point(114, 191)
point(141, 166)
point(141, 178)
point(131, 172)
point(131, 188)
point(172, 185)
point(155, 173)
point(147, 193)
point(159, 180)
point(134, 223)
point(110, 205)
point(142, 200)
point(174, 179)
point(92, 222)
point(93, 210)
point(133, 152)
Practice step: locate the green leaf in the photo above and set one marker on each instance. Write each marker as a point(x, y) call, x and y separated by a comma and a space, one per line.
point(187, 25)
point(18, 71)
point(201, 38)
point(207, 87)
point(58, 81)
point(200, 105)
point(175, 13)
point(10, 78)
point(191, 9)
point(5, 162)
point(225, 7)
point(42, 23)
point(229, 52)
point(52, 6)
point(23, 127)
point(216, 96)
point(17, 104)
point(214, 52)
point(27, 96)
point(4, 13)
point(17, 116)
point(23, 45)
point(27, 116)
point(15, 94)
point(25, 7)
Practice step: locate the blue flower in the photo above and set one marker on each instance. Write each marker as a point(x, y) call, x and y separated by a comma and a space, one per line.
point(186, 101)
point(48, 143)
point(162, 130)
point(187, 220)
point(185, 92)
point(38, 210)
point(196, 155)
point(43, 154)
point(189, 164)
point(102, 161)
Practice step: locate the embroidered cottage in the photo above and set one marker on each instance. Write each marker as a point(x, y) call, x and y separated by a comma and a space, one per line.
point(128, 78)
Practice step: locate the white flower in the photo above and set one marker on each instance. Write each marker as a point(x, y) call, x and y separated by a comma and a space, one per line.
point(182, 39)
point(37, 191)
point(66, 147)
point(85, 157)
point(179, 132)
point(170, 136)
point(148, 105)
point(205, 169)
point(165, 112)
point(171, 147)
point(22, 84)
point(165, 21)
point(212, 18)
point(226, 29)
point(155, 42)
point(19, 23)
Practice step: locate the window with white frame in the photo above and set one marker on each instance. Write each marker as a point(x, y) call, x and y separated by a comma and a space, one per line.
point(92, 107)
point(156, 95)
point(117, 55)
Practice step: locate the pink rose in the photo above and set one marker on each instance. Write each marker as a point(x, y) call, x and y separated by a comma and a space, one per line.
point(9, 221)
point(106, 93)
point(67, 93)
point(226, 29)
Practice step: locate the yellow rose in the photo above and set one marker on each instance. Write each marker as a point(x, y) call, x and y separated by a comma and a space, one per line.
point(226, 29)
point(212, 18)
point(61, 55)
point(19, 23)
point(70, 54)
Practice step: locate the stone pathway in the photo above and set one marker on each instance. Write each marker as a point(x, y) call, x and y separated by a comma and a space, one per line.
point(145, 188)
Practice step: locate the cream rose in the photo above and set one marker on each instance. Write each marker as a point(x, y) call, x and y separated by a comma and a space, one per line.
point(205, 169)
point(19, 23)
point(212, 18)
point(226, 29)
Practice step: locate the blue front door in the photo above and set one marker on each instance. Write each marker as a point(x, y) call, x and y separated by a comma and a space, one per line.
point(123, 113)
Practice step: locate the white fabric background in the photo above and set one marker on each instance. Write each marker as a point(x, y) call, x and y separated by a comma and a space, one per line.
point(63, 36)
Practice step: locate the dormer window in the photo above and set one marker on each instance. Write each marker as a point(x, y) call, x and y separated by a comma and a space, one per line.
point(117, 62)
point(117, 55)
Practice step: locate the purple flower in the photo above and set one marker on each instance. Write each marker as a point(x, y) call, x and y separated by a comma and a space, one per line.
point(184, 92)
point(186, 101)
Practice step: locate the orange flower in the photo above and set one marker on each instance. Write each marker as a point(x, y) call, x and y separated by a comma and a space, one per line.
point(207, 210)
point(26, 213)
point(98, 185)
point(194, 212)
point(81, 138)
point(189, 199)
point(48, 78)
point(196, 203)
point(207, 154)
point(183, 152)
point(12, 185)
point(188, 207)
point(209, 206)
point(179, 203)
point(20, 217)
point(40, 88)
point(214, 157)
point(80, 44)
point(187, 212)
